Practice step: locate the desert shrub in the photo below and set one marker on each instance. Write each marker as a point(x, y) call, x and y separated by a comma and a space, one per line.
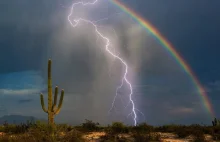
point(208, 130)
point(10, 128)
point(107, 129)
point(140, 137)
point(182, 133)
point(64, 127)
point(216, 136)
point(42, 126)
point(199, 135)
point(195, 130)
point(40, 132)
point(61, 132)
point(216, 129)
point(143, 128)
point(2, 128)
point(168, 128)
point(216, 132)
point(89, 125)
point(22, 128)
point(16, 129)
point(200, 138)
point(118, 127)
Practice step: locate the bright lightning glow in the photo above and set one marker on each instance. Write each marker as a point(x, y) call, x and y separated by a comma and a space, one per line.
point(124, 79)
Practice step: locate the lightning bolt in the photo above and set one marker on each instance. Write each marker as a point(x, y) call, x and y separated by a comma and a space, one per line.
point(74, 23)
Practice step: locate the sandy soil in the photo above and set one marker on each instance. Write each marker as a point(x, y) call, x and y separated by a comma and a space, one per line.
point(166, 137)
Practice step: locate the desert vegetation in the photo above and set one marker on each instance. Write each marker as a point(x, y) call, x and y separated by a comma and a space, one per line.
point(116, 132)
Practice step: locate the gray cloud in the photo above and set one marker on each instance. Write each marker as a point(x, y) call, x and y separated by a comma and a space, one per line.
point(25, 101)
point(19, 92)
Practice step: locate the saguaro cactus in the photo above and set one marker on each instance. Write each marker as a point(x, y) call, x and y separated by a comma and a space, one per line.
point(216, 122)
point(52, 109)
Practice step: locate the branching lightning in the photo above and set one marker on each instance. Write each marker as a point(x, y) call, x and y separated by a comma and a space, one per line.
point(74, 23)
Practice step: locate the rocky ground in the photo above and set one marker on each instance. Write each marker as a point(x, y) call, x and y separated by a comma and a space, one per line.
point(165, 137)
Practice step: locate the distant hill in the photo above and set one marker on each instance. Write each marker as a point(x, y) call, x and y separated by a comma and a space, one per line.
point(18, 119)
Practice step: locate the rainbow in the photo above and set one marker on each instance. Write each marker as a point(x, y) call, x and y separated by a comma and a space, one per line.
point(168, 46)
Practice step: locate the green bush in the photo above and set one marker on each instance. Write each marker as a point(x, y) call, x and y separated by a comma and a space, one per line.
point(2, 129)
point(89, 125)
point(169, 128)
point(143, 128)
point(118, 127)
point(64, 127)
point(16, 129)
point(42, 132)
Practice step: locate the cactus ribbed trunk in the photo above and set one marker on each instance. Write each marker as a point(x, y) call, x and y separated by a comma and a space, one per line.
point(51, 118)
point(50, 113)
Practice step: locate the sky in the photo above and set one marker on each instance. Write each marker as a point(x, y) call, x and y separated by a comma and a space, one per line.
point(34, 31)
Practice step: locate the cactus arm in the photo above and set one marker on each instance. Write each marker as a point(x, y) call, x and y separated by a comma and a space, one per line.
point(216, 122)
point(55, 97)
point(60, 103)
point(42, 103)
point(213, 123)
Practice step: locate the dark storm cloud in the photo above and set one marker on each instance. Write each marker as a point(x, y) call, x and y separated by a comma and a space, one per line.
point(25, 27)
point(2, 108)
point(23, 105)
point(195, 25)
point(25, 101)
